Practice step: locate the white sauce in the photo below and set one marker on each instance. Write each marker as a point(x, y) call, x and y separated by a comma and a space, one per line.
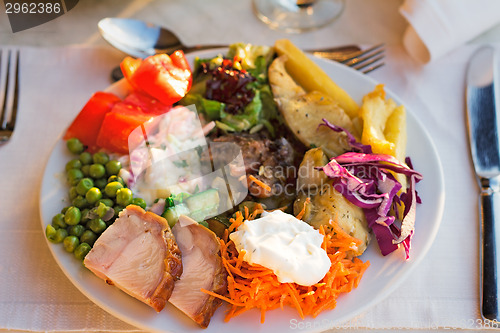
point(288, 246)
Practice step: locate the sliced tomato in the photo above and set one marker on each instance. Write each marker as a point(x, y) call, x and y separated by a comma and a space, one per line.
point(88, 122)
point(117, 126)
point(146, 103)
point(129, 66)
point(165, 78)
point(127, 117)
point(179, 60)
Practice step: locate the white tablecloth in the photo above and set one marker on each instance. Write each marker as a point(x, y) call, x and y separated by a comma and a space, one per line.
point(35, 295)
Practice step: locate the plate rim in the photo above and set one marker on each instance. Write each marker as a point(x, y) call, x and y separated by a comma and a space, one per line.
point(337, 320)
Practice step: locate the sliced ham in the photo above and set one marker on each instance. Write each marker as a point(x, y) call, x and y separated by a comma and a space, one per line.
point(202, 269)
point(139, 255)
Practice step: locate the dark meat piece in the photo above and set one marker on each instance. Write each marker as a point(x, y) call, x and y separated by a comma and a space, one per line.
point(271, 162)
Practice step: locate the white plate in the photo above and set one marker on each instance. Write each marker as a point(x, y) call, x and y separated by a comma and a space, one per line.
point(383, 276)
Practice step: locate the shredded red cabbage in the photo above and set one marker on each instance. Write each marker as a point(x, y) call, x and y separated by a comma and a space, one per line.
point(367, 180)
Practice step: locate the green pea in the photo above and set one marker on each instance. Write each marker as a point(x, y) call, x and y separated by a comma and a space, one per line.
point(93, 195)
point(124, 197)
point(86, 170)
point(70, 243)
point(97, 225)
point(84, 185)
point(117, 209)
point(112, 188)
point(73, 216)
point(81, 251)
point(73, 176)
point(73, 164)
point(58, 221)
point(74, 145)
point(100, 158)
point(50, 232)
point(113, 167)
point(76, 230)
point(102, 209)
point(108, 202)
point(59, 235)
point(80, 202)
point(100, 183)
point(88, 237)
point(72, 192)
point(115, 178)
point(86, 158)
point(63, 211)
point(139, 202)
point(97, 171)
point(85, 211)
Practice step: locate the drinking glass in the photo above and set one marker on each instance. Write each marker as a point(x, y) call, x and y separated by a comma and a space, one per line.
point(297, 15)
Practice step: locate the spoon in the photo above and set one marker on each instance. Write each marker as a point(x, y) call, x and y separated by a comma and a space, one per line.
point(142, 39)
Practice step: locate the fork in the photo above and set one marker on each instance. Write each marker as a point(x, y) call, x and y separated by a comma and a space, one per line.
point(363, 60)
point(9, 91)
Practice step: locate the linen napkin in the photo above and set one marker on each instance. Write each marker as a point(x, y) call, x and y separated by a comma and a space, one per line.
point(438, 26)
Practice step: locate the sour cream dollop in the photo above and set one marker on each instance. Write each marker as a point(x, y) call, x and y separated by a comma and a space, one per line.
point(288, 246)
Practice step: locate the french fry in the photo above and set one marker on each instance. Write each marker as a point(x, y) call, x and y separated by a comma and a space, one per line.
point(384, 126)
point(395, 132)
point(312, 78)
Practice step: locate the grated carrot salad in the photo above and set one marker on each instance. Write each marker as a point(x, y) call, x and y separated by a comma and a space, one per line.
point(260, 183)
point(254, 286)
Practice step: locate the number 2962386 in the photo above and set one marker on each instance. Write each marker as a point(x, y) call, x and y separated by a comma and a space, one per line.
point(33, 7)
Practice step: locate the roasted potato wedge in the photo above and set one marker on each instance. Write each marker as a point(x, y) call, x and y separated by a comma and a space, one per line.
point(327, 203)
point(312, 78)
point(303, 112)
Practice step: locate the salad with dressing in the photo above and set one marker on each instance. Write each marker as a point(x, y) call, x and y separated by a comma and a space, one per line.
point(250, 179)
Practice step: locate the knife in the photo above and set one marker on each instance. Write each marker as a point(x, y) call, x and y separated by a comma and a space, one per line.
point(482, 93)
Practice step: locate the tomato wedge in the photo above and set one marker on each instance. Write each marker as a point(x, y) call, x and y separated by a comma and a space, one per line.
point(135, 110)
point(146, 103)
point(88, 122)
point(129, 65)
point(166, 78)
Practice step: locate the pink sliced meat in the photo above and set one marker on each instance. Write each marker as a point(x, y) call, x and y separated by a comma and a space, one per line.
point(139, 255)
point(202, 269)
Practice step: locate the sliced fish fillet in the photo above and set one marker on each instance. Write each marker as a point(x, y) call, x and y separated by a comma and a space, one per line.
point(139, 255)
point(202, 269)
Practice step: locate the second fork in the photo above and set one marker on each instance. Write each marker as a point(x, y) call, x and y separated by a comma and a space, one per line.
point(9, 92)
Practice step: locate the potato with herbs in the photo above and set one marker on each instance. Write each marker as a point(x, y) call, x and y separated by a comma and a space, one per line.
point(312, 78)
point(326, 202)
point(303, 112)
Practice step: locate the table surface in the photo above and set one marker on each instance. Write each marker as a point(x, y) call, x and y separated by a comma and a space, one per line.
point(363, 22)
